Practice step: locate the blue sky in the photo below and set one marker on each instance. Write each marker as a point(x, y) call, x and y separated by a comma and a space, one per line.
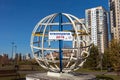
point(18, 18)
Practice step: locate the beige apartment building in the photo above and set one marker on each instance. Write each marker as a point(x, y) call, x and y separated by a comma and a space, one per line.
point(115, 18)
point(96, 21)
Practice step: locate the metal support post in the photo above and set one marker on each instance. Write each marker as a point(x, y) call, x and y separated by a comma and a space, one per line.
point(60, 41)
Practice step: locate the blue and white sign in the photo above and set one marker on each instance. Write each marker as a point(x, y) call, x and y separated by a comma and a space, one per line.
point(66, 36)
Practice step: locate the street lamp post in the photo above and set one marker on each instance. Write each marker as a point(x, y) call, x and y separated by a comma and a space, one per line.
point(15, 54)
point(101, 58)
point(12, 50)
point(15, 48)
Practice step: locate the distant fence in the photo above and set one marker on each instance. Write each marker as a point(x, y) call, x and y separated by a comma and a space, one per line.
point(5, 73)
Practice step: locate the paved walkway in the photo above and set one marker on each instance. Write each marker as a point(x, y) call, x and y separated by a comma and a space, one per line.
point(102, 73)
point(93, 73)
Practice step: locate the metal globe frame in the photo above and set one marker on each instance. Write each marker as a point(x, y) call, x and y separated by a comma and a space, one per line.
point(47, 52)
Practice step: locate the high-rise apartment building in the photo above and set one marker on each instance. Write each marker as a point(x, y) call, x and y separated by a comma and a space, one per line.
point(115, 18)
point(96, 21)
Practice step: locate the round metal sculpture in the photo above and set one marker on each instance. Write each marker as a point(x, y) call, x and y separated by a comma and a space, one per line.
point(60, 55)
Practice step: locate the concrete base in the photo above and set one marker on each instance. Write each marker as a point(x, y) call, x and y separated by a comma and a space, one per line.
point(59, 76)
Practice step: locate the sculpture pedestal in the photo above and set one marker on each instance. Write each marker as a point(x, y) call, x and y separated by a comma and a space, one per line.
point(59, 76)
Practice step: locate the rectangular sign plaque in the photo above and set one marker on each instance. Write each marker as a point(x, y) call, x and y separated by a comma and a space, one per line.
point(66, 36)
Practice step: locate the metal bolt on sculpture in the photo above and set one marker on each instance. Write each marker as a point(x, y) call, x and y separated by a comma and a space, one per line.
point(60, 42)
